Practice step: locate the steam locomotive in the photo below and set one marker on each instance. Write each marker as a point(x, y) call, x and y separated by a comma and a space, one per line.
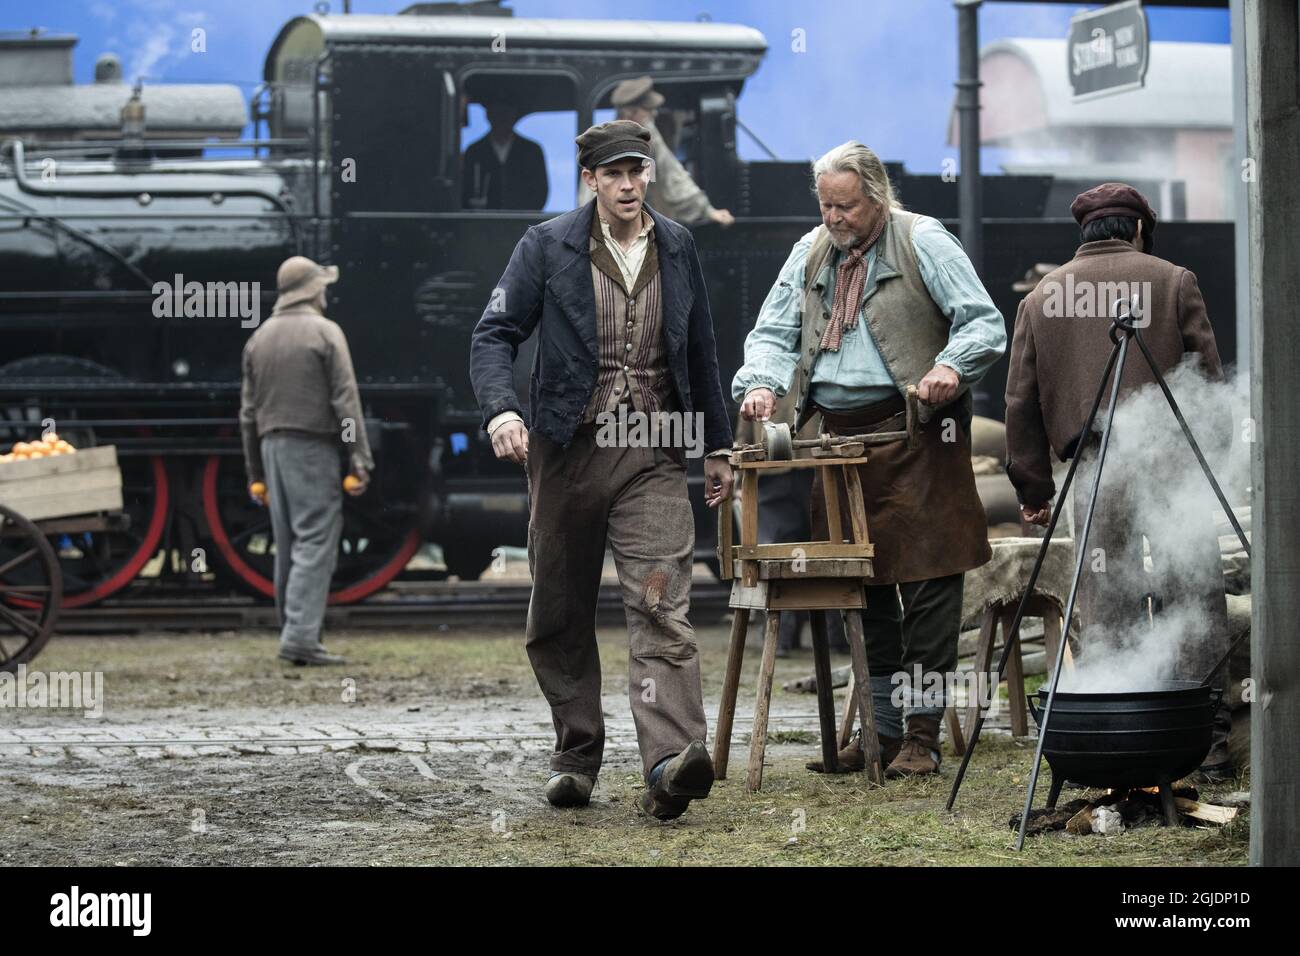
point(118, 208)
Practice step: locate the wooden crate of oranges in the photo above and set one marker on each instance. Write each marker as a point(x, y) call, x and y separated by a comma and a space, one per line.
point(51, 479)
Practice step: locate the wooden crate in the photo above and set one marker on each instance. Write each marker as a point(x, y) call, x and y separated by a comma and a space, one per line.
point(81, 483)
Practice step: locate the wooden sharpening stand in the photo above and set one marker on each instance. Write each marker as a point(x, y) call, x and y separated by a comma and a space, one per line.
point(797, 576)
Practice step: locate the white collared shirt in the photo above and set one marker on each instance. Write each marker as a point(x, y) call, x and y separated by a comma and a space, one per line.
point(629, 261)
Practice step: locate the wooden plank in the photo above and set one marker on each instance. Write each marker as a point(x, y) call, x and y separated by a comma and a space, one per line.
point(725, 520)
point(983, 660)
point(104, 456)
point(730, 687)
point(850, 712)
point(954, 730)
point(1209, 812)
point(63, 505)
point(1015, 675)
point(71, 484)
point(748, 509)
point(758, 739)
point(808, 593)
point(862, 692)
point(747, 466)
point(809, 549)
point(769, 570)
point(857, 511)
point(825, 693)
point(744, 596)
point(831, 492)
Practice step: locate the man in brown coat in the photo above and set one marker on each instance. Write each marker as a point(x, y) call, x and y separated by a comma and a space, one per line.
point(1058, 353)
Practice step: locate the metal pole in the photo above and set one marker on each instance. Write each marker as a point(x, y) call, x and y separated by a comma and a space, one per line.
point(970, 193)
point(1272, 35)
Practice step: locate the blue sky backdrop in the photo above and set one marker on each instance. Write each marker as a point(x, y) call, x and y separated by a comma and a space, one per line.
point(881, 71)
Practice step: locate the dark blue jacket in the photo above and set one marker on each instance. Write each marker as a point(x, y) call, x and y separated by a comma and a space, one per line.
point(548, 280)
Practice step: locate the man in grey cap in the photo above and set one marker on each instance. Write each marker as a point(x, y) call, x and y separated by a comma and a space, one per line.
point(299, 403)
point(672, 190)
point(615, 293)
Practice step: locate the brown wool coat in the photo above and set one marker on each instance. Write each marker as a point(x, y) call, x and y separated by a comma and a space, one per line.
point(1057, 359)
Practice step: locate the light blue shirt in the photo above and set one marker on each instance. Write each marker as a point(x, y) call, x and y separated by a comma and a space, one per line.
point(856, 375)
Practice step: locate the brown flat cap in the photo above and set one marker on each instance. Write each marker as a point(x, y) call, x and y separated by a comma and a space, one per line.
point(638, 92)
point(1115, 199)
point(610, 141)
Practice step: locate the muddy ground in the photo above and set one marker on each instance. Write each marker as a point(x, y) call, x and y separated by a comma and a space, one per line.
point(266, 767)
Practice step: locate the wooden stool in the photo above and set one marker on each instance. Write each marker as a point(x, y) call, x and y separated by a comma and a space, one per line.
point(1002, 614)
point(815, 576)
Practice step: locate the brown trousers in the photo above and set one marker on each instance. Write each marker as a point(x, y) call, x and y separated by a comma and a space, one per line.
point(582, 497)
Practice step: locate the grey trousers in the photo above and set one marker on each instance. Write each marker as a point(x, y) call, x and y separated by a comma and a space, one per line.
point(306, 500)
point(581, 498)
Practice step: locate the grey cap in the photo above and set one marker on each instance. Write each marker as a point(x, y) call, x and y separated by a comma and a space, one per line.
point(616, 139)
point(637, 92)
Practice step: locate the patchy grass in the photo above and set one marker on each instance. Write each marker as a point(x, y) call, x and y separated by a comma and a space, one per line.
point(478, 808)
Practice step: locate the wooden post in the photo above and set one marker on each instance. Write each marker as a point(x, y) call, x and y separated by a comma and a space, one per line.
point(1015, 675)
point(862, 692)
point(758, 743)
point(730, 687)
point(825, 694)
point(1271, 38)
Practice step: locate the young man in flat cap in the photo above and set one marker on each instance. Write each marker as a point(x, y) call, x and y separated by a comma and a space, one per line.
point(1060, 348)
point(672, 191)
point(623, 311)
point(299, 396)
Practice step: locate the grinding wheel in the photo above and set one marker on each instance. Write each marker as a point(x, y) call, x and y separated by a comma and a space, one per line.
point(777, 441)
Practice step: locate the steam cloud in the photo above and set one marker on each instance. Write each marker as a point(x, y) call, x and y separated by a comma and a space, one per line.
point(1152, 474)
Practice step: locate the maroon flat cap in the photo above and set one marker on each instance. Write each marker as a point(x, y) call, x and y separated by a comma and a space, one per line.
point(1115, 199)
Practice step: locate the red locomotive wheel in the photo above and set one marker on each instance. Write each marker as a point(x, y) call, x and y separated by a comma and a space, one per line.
point(376, 544)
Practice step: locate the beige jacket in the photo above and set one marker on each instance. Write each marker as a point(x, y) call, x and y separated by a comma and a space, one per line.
point(297, 376)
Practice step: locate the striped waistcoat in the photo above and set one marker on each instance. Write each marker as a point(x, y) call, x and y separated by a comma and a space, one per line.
point(632, 365)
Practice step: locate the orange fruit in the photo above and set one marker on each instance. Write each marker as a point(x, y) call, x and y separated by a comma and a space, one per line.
point(257, 489)
point(21, 446)
point(351, 482)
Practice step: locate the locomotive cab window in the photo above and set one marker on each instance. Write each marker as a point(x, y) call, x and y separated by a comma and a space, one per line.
point(510, 127)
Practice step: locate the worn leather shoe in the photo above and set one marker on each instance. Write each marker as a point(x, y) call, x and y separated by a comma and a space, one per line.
point(676, 782)
point(853, 759)
point(919, 754)
point(309, 656)
point(569, 789)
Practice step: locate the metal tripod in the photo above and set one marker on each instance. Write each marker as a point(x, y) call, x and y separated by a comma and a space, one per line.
point(1122, 331)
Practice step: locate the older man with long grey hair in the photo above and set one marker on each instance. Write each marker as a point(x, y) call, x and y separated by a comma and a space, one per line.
point(872, 301)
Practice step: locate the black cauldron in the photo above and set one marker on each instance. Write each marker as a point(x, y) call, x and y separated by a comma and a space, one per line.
point(1134, 739)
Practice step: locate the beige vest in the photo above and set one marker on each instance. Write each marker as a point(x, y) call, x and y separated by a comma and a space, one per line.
point(909, 329)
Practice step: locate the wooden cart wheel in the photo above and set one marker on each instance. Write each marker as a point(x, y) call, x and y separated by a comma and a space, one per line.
point(31, 591)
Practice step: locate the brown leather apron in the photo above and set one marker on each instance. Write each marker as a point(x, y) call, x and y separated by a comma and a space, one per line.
point(924, 514)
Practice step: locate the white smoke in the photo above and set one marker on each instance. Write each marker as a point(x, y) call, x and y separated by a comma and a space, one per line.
point(1152, 477)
